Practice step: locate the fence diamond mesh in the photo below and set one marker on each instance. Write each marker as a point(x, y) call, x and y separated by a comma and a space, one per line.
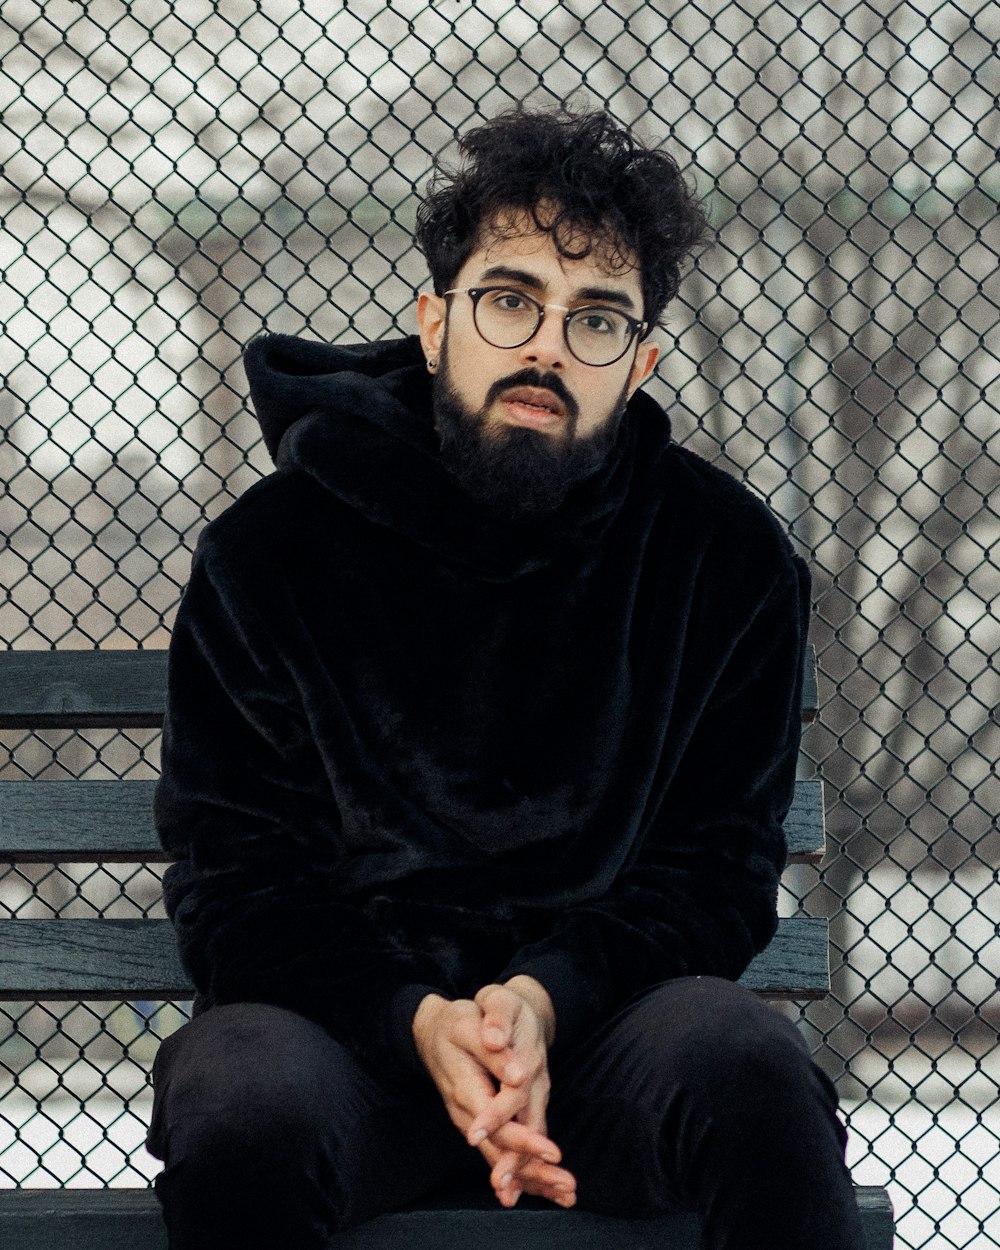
point(177, 180)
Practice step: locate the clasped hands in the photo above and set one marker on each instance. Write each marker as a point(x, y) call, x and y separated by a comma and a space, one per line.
point(501, 1038)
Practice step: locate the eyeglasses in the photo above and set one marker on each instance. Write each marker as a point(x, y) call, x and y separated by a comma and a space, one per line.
point(505, 318)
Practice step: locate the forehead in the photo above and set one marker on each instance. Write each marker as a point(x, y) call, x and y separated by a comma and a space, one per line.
point(516, 241)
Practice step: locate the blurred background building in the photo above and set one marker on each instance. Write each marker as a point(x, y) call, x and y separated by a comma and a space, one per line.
point(175, 180)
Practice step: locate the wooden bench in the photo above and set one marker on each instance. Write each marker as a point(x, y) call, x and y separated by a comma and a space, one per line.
point(127, 960)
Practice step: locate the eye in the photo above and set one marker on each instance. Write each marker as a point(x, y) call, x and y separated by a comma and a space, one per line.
point(597, 321)
point(507, 301)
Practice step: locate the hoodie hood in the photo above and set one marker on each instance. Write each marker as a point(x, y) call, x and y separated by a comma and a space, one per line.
point(359, 419)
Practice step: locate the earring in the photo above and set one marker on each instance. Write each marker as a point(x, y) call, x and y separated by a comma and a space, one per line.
point(431, 365)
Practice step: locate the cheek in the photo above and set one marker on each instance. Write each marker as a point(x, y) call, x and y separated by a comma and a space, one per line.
point(596, 409)
point(473, 368)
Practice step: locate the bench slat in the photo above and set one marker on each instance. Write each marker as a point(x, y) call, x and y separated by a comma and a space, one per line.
point(79, 822)
point(127, 689)
point(120, 1219)
point(82, 689)
point(126, 959)
point(102, 822)
point(805, 824)
point(91, 959)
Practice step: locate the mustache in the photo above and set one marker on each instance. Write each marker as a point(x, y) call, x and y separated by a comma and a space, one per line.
point(534, 377)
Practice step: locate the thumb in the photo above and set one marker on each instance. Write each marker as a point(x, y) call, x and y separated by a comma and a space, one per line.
point(498, 1020)
point(495, 1031)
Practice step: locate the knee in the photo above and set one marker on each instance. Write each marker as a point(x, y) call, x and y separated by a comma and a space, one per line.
point(719, 1040)
point(252, 1121)
point(710, 1065)
point(242, 1091)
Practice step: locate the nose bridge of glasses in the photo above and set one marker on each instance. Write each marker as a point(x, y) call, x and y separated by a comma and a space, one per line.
point(562, 322)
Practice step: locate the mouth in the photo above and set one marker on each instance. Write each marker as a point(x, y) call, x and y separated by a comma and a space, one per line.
point(534, 406)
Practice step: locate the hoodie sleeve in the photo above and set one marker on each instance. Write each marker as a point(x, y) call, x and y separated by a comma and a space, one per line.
point(244, 806)
point(700, 895)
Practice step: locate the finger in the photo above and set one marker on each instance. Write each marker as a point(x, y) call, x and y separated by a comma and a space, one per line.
point(490, 1041)
point(500, 1008)
point(513, 1077)
point(537, 1105)
point(507, 1066)
point(515, 1137)
point(522, 1140)
point(528, 1171)
point(469, 1095)
point(459, 1044)
point(498, 1123)
point(525, 1105)
point(505, 1169)
point(514, 1063)
point(556, 1186)
point(531, 1172)
point(534, 1174)
point(495, 1034)
point(475, 1082)
point(550, 1182)
point(501, 1115)
point(503, 1107)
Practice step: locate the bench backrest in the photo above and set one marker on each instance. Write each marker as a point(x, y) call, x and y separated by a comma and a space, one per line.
point(111, 821)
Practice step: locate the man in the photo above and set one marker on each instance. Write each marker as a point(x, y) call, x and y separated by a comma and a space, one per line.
point(483, 720)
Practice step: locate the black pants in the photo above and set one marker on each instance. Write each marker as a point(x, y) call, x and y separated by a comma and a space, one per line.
point(697, 1096)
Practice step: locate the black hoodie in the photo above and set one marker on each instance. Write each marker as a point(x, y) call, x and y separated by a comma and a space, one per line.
point(411, 747)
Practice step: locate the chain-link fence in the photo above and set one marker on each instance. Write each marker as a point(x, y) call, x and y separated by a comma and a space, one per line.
point(176, 179)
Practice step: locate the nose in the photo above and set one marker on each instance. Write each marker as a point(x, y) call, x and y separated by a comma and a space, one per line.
point(547, 346)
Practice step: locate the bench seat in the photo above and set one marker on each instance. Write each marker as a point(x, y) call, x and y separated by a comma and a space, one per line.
point(121, 1219)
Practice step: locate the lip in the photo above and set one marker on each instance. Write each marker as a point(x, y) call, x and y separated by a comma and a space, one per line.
point(537, 418)
point(534, 406)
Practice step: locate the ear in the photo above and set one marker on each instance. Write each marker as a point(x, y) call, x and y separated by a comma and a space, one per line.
point(431, 310)
point(643, 365)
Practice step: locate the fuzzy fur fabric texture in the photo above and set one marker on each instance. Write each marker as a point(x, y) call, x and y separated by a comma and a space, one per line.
point(412, 747)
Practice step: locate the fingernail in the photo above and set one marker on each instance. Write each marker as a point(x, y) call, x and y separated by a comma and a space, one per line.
point(507, 1180)
point(478, 1136)
point(512, 1072)
point(495, 1036)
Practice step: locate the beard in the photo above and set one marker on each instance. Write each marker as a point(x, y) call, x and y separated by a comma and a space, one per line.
point(517, 472)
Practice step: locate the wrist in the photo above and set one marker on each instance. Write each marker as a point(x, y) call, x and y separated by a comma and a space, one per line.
point(541, 1002)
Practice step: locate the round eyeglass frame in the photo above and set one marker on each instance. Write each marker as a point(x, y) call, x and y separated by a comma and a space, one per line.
point(475, 293)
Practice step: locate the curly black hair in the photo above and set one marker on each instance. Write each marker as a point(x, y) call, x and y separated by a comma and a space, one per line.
point(608, 191)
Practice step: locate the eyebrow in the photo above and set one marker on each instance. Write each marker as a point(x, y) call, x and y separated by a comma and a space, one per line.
point(606, 295)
